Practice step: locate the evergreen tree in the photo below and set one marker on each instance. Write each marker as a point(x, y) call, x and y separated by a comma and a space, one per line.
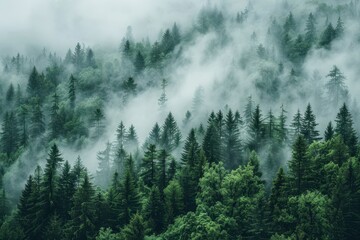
point(72, 91)
point(139, 62)
point(149, 172)
point(9, 134)
point(173, 200)
point(308, 126)
point(90, 59)
point(33, 86)
point(344, 127)
point(23, 122)
point(299, 167)
point(281, 129)
point(154, 211)
point(175, 33)
point(78, 56)
point(128, 194)
point(163, 99)
point(171, 136)
point(10, 93)
point(339, 29)
point(37, 126)
point(310, 35)
point(121, 135)
point(68, 57)
point(190, 172)
point(104, 171)
point(296, 125)
point(162, 175)
point(154, 136)
point(327, 36)
point(55, 120)
point(82, 222)
point(211, 144)
point(278, 202)
point(256, 129)
point(67, 190)
point(254, 162)
point(232, 145)
point(336, 87)
point(135, 230)
point(167, 43)
point(329, 132)
point(131, 143)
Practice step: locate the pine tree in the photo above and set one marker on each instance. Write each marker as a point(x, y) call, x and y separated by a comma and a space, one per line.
point(299, 167)
point(90, 59)
point(232, 145)
point(256, 129)
point(131, 143)
point(167, 43)
point(308, 126)
point(329, 132)
point(55, 121)
point(128, 196)
point(149, 171)
point(9, 134)
point(78, 56)
point(104, 171)
point(327, 36)
point(339, 29)
point(98, 121)
point(154, 211)
point(139, 62)
point(67, 190)
point(289, 23)
point(163, 99)
point(162, 174)
point(296, 125)
point(310, 35)
point(175, 33)
point(344, 127)
point(68, 57)
point(82, 222)
point(33, 86)
point(190, 172)
point(72, 91)
point(255, 163)
point(135, 230)
point(336, 88)
point(37, 126)
point(278, 202)
point(10, 93)
point(127, 50)
point(154, 136)
point(281, 129)
point(171, 136)
point(173, 200)
point(121, 135)
point(211, 144)
point(23, 122)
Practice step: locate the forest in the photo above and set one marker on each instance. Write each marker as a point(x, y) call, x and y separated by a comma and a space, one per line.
point(237, 120)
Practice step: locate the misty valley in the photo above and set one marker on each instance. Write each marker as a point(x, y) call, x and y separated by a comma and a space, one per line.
point(201, 120)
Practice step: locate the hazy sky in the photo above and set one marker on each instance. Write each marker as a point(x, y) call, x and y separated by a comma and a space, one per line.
point(58, 24)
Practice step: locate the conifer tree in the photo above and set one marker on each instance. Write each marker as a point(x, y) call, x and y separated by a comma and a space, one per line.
point(336, 88)
point(339, 29)
point(175, 33)
point(232, 145)
point(296, 125)
point(149, 170)
point(128, 195)
point(55, 120)
point(9, 134)
point(10, 93)
point(190, 172)
point(78, 56)
point(329, 132)
point(136, 229)
point(299, 167)
point(104, 170)
point(173, 200)
point(155, 211)
point(90, 59)
point(82, 222)
point(139, 62)
point(327, 36)
point(171, 136)
point(37, 126)
point(67, 190)
point(308, 126)
point(162, 171)
point(310, 35)
point(344, 127)
point(33, 86)
point(154, 136)
point(211, 144)
point(131, 143)
point(256, 129)
point(72, 91)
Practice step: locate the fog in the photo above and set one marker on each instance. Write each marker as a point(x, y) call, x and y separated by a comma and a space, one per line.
point(213, 61)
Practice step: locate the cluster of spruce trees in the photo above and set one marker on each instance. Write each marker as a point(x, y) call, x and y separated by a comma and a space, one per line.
point(214, 191)
point(231, 178)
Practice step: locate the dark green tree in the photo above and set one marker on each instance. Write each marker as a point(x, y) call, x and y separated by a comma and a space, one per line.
point(139, 62)
point(148, 166)
point(336, 88)
point(171, 136)
point(72, 91)
point(232, 144)
point(308, 126)
point(155, 211)
point(344, 127)
point(212, 144)
point(329, 132)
